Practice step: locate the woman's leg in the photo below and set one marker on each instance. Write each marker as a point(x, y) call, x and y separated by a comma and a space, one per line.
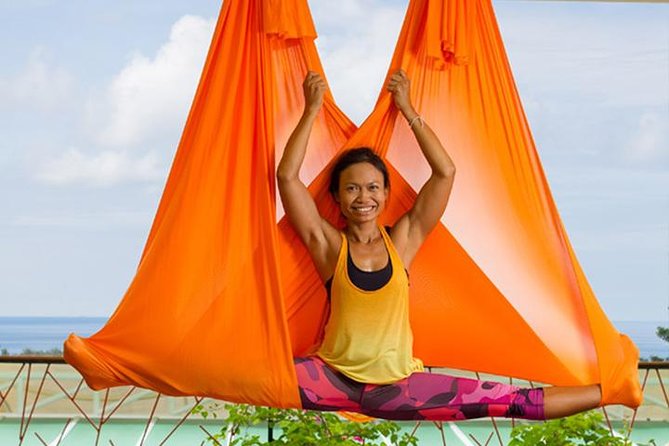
point(432, 396)
point(562, 401)
point(443, 397)
point(323, 388)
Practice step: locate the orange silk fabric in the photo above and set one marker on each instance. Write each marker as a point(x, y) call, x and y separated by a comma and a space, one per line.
point(224, 296)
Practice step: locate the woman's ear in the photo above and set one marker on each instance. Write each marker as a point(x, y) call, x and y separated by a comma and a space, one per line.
point(336, 197)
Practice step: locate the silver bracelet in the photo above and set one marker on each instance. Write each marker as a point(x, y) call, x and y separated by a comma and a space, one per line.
point(417, 118)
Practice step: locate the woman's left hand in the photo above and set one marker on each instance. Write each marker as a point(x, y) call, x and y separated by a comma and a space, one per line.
point(399, 86)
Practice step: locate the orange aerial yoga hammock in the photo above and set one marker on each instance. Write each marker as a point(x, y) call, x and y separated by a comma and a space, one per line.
point(224, 296)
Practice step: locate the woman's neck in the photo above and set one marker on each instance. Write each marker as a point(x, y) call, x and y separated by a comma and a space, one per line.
point(367, 232)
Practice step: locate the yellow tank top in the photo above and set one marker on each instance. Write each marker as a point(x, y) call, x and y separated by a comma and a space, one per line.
point(368, 337)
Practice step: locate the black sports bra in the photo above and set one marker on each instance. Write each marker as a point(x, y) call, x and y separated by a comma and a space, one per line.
point(365, 280)
point(368, 280)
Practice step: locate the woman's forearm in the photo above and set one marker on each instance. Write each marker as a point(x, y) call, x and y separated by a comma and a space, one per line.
point(441, 164)
point(296, 147)
point(434, 152)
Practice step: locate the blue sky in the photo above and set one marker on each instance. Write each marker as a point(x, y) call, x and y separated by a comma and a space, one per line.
point(94, 95)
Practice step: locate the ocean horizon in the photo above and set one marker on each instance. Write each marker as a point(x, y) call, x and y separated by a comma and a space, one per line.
point(47, 333)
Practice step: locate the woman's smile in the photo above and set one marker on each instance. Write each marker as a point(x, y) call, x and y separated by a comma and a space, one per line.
point(363, 209)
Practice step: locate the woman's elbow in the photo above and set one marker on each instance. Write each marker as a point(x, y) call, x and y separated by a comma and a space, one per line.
point(447, 173)
point(284, 174)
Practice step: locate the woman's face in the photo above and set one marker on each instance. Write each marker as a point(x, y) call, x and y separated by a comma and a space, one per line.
point(362, 195)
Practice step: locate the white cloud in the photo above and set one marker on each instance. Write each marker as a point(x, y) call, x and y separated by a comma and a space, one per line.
point(356, 44)
point(146, 100)
point(39, 85)
point(102, 169)
point(150, 95)
point(651, 140)
point(89, 220)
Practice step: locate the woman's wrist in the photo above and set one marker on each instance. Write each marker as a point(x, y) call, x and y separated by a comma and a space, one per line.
point(310, 112)
point(412, 117)
point(418, 121)
point(409, 113)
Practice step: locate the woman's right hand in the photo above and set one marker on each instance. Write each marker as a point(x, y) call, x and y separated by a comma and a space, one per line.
point(314, 88)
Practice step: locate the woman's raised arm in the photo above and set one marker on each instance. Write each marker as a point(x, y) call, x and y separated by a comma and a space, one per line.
point(411, 230)
point(316, 233)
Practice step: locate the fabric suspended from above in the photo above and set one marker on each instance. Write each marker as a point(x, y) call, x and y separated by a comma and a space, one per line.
point(225, 296)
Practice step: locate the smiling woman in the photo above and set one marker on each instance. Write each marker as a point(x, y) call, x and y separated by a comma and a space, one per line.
point(498, 274)
point(365, 361)
point(360, 185)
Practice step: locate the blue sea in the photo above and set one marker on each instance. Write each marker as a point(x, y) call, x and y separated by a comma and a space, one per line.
point(46, 333)
point(43, 333)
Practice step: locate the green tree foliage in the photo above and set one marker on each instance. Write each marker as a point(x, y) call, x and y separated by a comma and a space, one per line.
point(663, 333)
point(586, 428)
point(302, 428)
point(51, 352)
point(29, 351)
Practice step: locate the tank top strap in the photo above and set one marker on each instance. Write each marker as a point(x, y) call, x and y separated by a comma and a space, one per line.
point(395, 258)
point(341, 257)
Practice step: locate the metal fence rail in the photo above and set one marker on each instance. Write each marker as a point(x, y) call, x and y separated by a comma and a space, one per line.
point(46, 388)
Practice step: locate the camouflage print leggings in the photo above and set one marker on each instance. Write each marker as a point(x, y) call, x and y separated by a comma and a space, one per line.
point(421, 396)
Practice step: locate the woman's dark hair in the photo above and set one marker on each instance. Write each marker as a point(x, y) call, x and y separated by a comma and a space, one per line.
point(355, 156)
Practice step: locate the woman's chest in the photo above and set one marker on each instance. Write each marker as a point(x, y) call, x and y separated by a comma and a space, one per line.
point(369, 257)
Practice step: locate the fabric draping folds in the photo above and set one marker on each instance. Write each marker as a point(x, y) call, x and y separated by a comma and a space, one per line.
point(224, 296)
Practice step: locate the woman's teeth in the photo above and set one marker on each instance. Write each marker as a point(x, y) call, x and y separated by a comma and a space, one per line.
point(363, 209)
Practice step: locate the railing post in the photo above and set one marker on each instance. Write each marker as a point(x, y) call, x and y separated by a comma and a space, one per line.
point(270, 430)
point(20, 389)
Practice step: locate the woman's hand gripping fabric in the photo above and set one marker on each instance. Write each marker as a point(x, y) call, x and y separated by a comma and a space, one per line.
point(400, 87)
point(314, 88)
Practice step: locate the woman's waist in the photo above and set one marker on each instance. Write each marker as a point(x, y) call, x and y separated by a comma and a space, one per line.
point(373, 369)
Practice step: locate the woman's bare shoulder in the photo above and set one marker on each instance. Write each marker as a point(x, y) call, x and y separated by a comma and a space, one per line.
point(325, 257)
point(399, 234)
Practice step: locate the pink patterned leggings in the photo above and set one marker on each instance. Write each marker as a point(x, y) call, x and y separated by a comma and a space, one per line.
point(421, 396)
